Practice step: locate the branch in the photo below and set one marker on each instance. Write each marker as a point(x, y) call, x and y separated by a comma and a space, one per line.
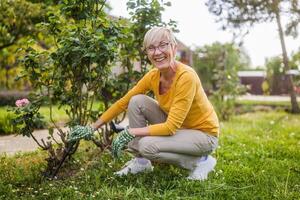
point(104, 2)
point(45, 147)
point(51, 117)
point(7, 45)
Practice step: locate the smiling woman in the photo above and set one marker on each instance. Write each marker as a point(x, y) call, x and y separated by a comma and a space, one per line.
point(178, 127)
point(160, 46)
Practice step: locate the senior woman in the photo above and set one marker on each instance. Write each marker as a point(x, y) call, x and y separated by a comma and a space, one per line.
point(179, 127)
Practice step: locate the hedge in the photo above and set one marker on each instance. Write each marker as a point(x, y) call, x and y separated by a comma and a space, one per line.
point(8, 98)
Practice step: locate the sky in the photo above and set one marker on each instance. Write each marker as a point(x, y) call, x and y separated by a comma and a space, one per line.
point(198, 27)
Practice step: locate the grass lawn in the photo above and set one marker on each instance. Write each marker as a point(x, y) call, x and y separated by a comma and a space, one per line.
point(258, 158)
point(265, 103)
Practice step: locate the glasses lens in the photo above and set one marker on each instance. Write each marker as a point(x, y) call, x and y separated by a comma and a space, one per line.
point(150, 49)
point(163, 46)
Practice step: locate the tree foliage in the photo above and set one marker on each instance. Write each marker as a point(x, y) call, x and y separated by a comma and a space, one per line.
point(244, 14)
point(217, 66)
point(17, 20)
point(275, 70)
point(71, 74)
point(207, 58)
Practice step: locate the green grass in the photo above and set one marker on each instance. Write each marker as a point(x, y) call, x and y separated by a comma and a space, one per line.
point(59, 115)
point(265, 103)
point(258, 158)
point(245, 106)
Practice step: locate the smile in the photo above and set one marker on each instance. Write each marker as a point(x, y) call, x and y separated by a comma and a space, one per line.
point(160, 59)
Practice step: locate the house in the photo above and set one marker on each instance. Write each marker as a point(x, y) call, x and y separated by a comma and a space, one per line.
point(184, 53)
point(254, 80)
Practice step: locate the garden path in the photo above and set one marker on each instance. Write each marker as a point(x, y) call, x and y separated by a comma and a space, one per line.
point(13, 144)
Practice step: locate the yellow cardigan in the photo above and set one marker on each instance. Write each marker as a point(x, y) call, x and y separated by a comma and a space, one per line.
point(185, 103)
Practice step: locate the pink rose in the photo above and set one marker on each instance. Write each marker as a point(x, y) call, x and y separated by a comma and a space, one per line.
point(22, 102)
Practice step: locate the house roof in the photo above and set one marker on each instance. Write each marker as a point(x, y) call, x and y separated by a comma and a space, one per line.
point(263, 73)
point(252, 74)
point(293, 72)
point(181, 45)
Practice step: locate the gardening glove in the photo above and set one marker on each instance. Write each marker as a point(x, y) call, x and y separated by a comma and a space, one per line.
point(80, 132)
point(123, 138)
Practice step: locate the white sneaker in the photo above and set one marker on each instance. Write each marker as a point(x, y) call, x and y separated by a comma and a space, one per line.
point(202, 169)
point(134, 167)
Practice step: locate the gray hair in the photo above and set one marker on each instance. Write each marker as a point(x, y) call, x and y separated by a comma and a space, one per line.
point(157, 33)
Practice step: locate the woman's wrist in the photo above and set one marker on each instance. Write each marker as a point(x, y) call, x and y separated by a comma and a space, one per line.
point(129, 131)
point(97, 124)
point(139, 131)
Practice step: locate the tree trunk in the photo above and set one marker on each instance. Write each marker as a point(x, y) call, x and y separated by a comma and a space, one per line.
point(294, 104)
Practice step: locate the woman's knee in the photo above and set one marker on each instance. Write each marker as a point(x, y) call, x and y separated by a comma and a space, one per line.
point(136, 100)
point(148, 149)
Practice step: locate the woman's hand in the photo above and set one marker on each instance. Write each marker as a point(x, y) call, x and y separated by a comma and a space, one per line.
point(123, 138)
point(80, 132)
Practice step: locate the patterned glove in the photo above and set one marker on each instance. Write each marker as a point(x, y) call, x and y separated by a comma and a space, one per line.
point(80, 132)
point(120, 142)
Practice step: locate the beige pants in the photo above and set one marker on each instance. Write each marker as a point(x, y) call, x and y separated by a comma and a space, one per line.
point(182, 149)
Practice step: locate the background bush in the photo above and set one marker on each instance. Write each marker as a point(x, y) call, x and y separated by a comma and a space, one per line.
point(5, 126)
point(8, 98)
point(6, 117)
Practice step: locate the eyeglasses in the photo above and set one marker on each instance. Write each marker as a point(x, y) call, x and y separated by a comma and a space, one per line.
point(163, 46)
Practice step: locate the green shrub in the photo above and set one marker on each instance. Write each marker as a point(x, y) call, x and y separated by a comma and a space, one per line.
point(5, 126)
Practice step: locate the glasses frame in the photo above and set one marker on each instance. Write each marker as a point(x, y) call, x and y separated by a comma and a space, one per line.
point(160, 47)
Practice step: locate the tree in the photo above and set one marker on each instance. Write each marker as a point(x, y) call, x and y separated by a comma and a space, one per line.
point(206, 60)
point(69, 75)
point(275, 71)
point(217, 66)
point(244, 14)
point(17, 22)
point(295, 60)
point(295, 64)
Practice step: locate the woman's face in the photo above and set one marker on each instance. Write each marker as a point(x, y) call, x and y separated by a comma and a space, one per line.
point(161, 53)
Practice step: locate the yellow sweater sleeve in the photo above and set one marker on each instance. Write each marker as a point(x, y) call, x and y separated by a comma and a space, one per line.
point(184, 94)
point(142, 87)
